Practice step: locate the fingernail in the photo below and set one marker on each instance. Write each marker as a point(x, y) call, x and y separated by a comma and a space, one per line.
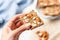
point(28, 25)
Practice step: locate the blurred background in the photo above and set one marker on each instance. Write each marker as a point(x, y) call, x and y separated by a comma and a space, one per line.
point(9, 8)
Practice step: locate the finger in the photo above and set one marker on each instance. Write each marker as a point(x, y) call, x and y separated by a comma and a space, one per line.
point(16, 17)
point(22, 28)
point(19, 24)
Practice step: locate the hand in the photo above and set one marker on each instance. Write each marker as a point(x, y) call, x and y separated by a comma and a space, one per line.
point(14, 28)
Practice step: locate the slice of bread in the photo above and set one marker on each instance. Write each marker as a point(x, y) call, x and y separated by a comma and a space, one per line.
point(33, 19)
point(51, 11)
point(49, 7)
point(44, 3)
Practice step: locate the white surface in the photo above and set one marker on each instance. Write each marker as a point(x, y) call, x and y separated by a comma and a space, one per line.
point(28, 35)
point(51, 26)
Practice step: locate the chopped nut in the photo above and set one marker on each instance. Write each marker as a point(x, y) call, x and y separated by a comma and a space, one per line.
point(34, 25)
point(34, 18)
point(34, 21)
point(42, 35)
point(26, 20)
point(24, 17)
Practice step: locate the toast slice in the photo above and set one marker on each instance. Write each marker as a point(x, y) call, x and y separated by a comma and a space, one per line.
point(44, 3)
point(51, 11)
point(33, 19)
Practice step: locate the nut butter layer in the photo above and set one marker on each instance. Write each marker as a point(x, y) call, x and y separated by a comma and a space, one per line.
point(33, 19)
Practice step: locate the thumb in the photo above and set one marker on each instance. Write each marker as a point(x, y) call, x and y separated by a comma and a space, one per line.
point(22, 28)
